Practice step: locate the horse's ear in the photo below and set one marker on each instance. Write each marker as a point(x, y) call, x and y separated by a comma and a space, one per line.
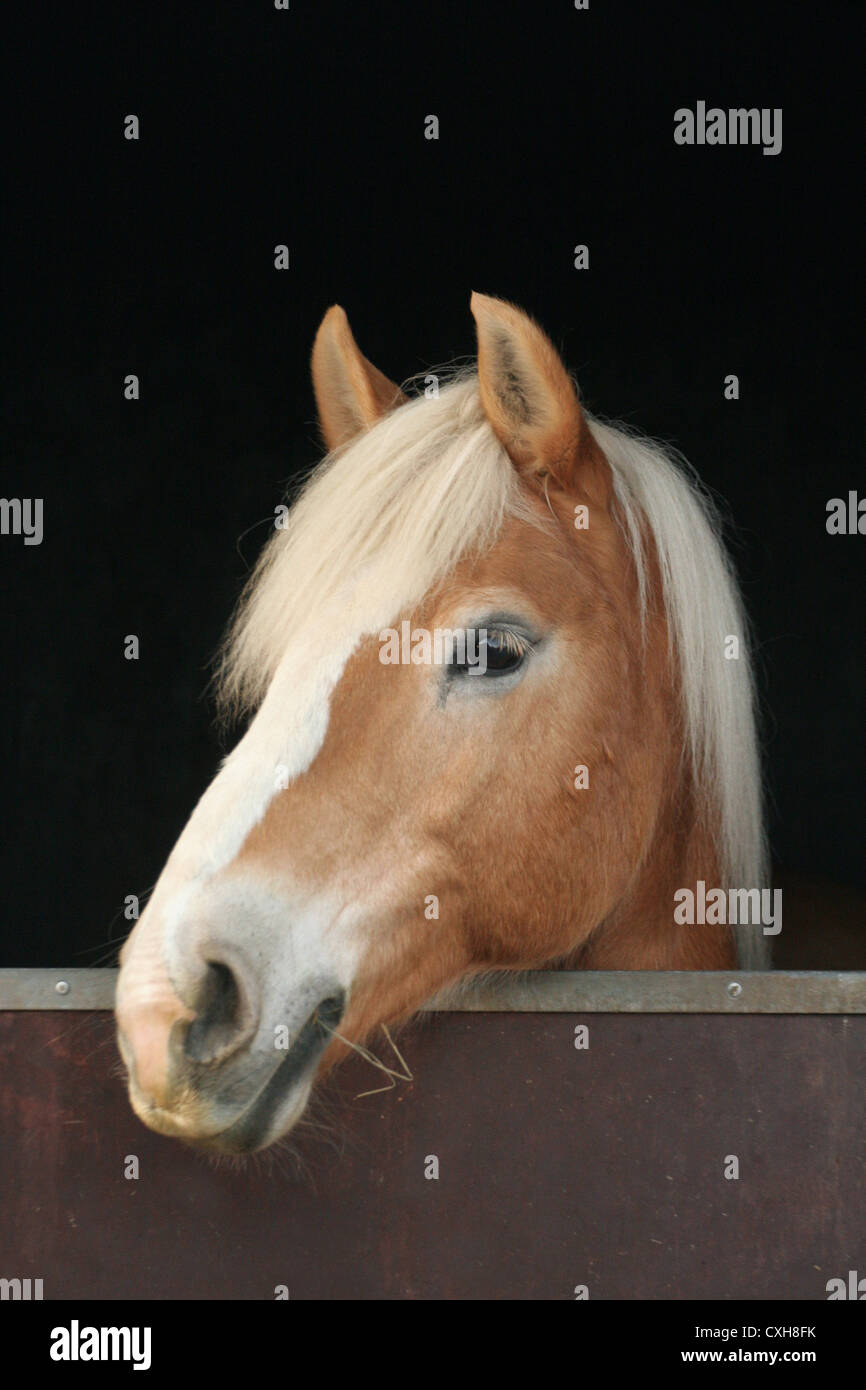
point(351, 394)
point(531, 403)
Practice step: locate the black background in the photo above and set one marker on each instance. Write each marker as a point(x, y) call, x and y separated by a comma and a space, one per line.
point(306, 127)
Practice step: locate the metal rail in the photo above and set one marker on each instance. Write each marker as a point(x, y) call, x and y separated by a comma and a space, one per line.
point(542, 991)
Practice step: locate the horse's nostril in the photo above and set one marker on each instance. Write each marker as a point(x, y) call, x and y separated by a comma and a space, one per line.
point(330, 1011)
point(218, 1026)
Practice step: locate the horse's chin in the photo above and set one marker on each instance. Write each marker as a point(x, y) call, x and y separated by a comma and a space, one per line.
point(247, 1113)
point(269, 1117)
point(249, 1102)
point(257, 1128)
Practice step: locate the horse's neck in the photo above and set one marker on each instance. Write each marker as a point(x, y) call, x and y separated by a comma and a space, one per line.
point(641, 933)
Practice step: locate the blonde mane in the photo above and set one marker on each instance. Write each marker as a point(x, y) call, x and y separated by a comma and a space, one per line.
point(381, 520)
point(384, 519)
point(660, 496)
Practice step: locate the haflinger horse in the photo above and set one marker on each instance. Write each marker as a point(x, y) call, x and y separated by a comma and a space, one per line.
point(387, 829)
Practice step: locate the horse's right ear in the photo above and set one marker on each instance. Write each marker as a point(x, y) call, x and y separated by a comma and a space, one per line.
point(530, 401)
point(351, 394)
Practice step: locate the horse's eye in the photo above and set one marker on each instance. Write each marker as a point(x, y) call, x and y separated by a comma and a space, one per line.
point(503, 651)
point(493, 652)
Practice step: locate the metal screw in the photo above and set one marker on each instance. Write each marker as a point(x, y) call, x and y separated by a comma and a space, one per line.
point(62, 987)
point(735, 990)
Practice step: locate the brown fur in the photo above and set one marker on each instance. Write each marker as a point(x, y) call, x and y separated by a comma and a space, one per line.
point(526, 868)
point(418, 791)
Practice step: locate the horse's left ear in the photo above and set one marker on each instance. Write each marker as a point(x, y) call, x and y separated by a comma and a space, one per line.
point(530, 401)
point(351, 394)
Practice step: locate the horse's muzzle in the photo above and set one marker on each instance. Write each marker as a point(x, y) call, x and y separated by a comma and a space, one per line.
point(216, 1075)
